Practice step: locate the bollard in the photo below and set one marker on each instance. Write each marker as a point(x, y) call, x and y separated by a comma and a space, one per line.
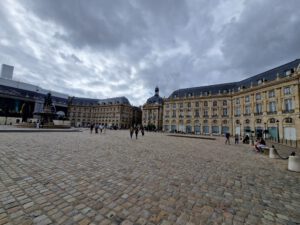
point(272, 154)
point(294, 163)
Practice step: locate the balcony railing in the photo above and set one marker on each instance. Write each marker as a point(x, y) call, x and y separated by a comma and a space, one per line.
point(271, 112)
point(214, 116)
point(247, 114)
point(225, 116)
point(205, 116)
point(288, 111)
point(237, 115)
point(258, 114)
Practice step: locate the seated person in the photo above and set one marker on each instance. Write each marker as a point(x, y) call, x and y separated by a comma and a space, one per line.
point(246, 139)
point(259, 144)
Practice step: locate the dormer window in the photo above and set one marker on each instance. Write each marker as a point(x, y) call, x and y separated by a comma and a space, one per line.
point(175, 96)
point(190, 95)
point(259, 81)
point(289, 72)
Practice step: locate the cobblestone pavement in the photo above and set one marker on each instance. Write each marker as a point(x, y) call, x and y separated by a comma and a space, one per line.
point(79, 178)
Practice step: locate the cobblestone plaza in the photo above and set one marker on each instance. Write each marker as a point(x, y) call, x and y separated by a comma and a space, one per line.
point(83, 178)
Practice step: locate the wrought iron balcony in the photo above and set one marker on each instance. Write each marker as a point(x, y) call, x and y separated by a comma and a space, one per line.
point(258, 114)
point(271, 112)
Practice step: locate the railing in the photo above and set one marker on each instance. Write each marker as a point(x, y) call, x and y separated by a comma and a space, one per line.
point(225, 116)
point(247, 114)
point(272, 113)
point(288, 111)
point(205, 116)
point(258, 114)
point(237, 115)
point(214, 116)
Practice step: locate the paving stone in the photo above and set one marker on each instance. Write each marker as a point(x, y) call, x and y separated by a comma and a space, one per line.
point(158, 179)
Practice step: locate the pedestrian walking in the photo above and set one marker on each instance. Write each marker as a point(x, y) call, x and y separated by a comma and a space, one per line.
point(101, 128)
point(96, 128)
point(142, 130)
point(227, 136)
point(92, 127)
point(136, 132)
point(236, 139)
point(131, 130)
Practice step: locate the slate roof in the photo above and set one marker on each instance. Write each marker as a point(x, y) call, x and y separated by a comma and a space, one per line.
point(108, 101)
point(155, 99)
point(246, 83)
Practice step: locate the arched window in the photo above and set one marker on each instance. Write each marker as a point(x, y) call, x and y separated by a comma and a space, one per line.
point(247, 121)
point(272, 120)
point(288, 120)
point(237, 122)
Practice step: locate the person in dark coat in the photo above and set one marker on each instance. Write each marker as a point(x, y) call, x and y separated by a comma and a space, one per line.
point(131, 130)
point(136, 132)
point(142, 131)
point(92, 127)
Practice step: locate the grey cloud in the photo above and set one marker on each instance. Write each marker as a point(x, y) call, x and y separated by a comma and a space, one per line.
point(104, 48)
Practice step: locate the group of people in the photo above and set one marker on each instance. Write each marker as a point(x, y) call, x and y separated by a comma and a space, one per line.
point(259, 145)
point(97, 127)
point(136, 130)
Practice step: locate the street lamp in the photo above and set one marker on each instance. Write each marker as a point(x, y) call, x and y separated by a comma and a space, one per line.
point(277, 121)
point(265, 131)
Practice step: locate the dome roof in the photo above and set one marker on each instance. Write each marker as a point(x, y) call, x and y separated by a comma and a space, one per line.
point(155, 99)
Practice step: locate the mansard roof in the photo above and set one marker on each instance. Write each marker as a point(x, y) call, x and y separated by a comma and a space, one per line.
point(108, 101)
point(246, 83)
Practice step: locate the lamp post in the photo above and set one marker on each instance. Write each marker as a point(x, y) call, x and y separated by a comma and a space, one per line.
point(277, 121)
point(265, 130)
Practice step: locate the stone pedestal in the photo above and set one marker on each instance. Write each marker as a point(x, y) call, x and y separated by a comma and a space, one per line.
point(294, 163)
point(272, 154)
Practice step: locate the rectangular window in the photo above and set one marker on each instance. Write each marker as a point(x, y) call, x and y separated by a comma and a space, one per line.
point(174, 106)
point(205, 112)
point(287, 90)
point(238, 111)
point(259, 108)
point(288, 104)
point(197, 104)
point(189, 105)
point(181, 105)
point(271, 94)
point(167, 106)
point(247, 98)
point(258, 96)
point(224, 111)
point(237, 101)
point(215, 129)
point(174, 113)
point(215, 112)
point(272, 106)
point(247, 109)
point(224, 102)
point(197, 113)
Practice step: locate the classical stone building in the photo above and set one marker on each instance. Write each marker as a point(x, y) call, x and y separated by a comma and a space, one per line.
point(109, 112)
point(153, 111)
point(265, 104)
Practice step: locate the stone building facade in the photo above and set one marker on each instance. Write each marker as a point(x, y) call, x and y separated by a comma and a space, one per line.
point(111, 112)
point(266, 104)
point(152, 112)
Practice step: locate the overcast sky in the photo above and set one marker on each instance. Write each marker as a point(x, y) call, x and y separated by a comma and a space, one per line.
point(103, 48)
